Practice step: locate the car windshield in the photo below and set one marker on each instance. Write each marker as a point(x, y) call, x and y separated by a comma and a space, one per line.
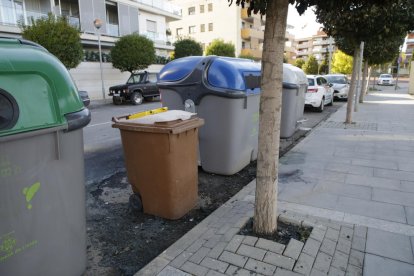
point(336, 79)
point(311, 82)
point(383, 76)
point(136, 78)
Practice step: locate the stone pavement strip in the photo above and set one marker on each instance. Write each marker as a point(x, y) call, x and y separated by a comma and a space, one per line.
point(334, 248)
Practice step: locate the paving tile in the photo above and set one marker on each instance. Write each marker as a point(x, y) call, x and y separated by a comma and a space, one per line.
point(356, 258)
point(406, 166)
point(251, 252)
point(322, 262)
point(235, 243)
point(373, 209)
point(195, 246)
point(407, 186)
point(270, 246)
point(301, 196)
point(315, 272)
point(340, 261)
point(260, 267)
point(199, 255)
point(380, 266)
point(394, 174)
point(154, 267)
point(194, 269)
point(358, 243)
point(395, 197)
point(311, 247)
point(346, 233)
point(390, 245)
point(232, 258)
point(360, 231)
point(293, 249)
point(344, 245)
point(217, 250)
point(375, 164)
point(169, 270)
point(238, 271)
point(353, 271)
point(214, 264)
point(332, 234)
point(279, 260)
point(350, 190)
point(333, 271)
point(249, 240)
point(181, 259)
point(304, 264)
point(214, 273)
point(284, 272)
point(328, 247)
point(378, 182)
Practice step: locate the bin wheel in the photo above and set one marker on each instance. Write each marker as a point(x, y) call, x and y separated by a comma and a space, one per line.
point(321, 107)
point(136, 98)
point(135, 203)
point(116, 100)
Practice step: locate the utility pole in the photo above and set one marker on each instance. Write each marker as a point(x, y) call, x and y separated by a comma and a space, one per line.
point(98, 24)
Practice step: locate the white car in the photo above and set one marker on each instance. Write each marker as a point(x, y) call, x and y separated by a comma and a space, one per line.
point(340, 85)
point(385, 79)
point(320, 92)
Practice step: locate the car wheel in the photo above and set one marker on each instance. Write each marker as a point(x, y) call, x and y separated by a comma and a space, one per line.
point(331, 102)
point(116, 100)
point(322, 106)
point(136, 98)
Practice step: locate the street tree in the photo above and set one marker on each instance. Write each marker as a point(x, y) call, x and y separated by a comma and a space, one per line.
point(299, 62)
point(132, 53)
point(342, 63)
point(187, 47)
point(323, 67)
point(57, 36)
point(220, 48)
point(369, 21)
point(311, 66)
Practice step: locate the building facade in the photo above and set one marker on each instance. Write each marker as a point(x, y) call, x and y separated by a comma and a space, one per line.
point(206, 20)
point(317, 45)
point(119, 17)
point(409, 46)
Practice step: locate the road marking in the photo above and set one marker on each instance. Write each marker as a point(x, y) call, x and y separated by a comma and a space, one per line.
point(100, 124)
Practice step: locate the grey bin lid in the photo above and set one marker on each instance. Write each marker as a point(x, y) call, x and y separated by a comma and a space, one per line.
point(293, 75)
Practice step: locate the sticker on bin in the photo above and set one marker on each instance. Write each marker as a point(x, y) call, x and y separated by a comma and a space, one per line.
point(167, 116)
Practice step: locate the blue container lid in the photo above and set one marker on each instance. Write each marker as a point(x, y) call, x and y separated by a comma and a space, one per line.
point(178, 69)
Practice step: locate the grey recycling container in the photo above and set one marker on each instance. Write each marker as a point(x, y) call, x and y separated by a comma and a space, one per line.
point(42, 193)
point(295, 85)
point(225, 92)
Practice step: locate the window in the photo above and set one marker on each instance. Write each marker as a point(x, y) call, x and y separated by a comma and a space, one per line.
point(179, 31)
point(201, 8)
point(151, 26)
point(202, 28)
point(243, 45)
point(191, 10)
point(152, 78)
point(210, 7)
point(210, 27)
point(319, 81)
point(191, 29)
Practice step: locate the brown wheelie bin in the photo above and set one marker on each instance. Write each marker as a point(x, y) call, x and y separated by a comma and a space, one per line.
point(161, 161)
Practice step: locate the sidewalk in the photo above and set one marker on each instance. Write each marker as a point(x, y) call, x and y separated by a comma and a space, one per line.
point(354, 184)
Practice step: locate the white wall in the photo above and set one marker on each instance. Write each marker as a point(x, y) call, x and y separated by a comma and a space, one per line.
point(87, 77)
point(411, 81)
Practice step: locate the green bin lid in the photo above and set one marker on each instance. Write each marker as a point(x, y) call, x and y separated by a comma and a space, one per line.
point(36, 90)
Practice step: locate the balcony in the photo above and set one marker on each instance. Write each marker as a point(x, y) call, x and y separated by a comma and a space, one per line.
point(172, 12)
point(256, 53)
point(247, 34)
point(303, 45)
point(12, 16)
point(112, 29)
point(245, 16)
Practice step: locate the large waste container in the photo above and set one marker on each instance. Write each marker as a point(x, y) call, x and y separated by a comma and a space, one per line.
point(225, 92)
point(295, 85)
point(42, 196)
point(161, 161)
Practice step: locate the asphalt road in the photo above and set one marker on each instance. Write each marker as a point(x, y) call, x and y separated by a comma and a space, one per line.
point(103, 147)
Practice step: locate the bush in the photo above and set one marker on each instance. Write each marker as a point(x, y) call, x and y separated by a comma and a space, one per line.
point(187, 47)
point(58, 37)
point(311, 66)
point(220, 48)
point(299, 63)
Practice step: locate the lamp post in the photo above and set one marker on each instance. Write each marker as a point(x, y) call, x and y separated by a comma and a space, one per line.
point(98, 24)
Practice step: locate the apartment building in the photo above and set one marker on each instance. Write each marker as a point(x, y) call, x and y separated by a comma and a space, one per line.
point(206, 20)
point(119, 17)
point(409, 46)
point(317, 45)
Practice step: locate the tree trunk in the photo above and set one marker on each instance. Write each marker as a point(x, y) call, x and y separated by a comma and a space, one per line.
point(265, 214)
point(364, 82)
point(352, 89)
point(369, 78)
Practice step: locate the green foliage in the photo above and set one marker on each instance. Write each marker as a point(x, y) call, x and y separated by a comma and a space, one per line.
point(220, 48)
point(342, 63)
point(133, 52)
point(58, 37)
point(311, 66)
point(187, 47)
point(299, 62)
point(247, 57)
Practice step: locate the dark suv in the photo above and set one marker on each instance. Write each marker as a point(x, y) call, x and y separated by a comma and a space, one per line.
point(140, 86)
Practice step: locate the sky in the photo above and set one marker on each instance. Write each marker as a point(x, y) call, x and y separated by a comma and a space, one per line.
point(304, 25)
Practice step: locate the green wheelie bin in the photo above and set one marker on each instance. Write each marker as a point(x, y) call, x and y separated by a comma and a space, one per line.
point(42, 193)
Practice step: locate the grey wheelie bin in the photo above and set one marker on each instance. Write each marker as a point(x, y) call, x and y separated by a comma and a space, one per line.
point(225, 92)
point(42, 193)
point(295, 85)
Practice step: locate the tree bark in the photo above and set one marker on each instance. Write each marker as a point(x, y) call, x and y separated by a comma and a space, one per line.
point(351, 92)
point(369, 78)
point(265, 214)
point(364, 82)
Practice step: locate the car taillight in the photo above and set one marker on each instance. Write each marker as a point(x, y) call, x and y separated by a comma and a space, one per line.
point(312, 90)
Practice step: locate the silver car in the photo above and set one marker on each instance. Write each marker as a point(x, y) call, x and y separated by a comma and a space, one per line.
point(340, 85)
point(385, 79)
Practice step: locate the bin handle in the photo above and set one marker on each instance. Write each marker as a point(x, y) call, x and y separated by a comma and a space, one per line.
point(140, 114)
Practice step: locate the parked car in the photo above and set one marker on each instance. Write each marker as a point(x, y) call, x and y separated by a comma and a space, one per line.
point(139, 86)
point(385, 79)
point(320, 92)
point(340, 85)
point(84, 97)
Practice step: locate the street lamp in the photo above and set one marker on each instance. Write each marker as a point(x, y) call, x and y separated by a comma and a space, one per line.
point(98, 24)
